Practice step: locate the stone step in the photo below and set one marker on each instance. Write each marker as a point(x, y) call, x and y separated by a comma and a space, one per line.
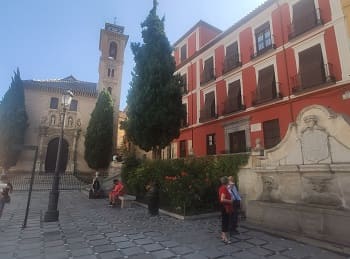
point(44, 182)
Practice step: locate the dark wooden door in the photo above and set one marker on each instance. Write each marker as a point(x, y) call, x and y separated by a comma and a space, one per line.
point(237, 142)
point(51, 156)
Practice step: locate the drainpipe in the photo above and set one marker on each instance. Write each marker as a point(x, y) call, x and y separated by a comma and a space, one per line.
point(285, 62)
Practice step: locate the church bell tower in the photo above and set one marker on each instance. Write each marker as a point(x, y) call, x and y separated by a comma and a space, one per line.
point(112, 47)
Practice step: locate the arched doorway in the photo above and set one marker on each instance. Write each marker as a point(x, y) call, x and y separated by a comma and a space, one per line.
point(51, 156)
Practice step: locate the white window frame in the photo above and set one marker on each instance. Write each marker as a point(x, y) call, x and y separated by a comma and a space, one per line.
point(256, 26)
point(232, 79)
point(264, 64)
point(208, 90)
point(317, 39)
point(293, 2)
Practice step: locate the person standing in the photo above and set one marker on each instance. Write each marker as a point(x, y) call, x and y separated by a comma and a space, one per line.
point(153, 198)
point(226, 208)
point(236, 203)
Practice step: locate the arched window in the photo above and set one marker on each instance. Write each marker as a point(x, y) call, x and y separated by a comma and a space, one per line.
point(109, 89)
point(52, 120)
point(113, 50)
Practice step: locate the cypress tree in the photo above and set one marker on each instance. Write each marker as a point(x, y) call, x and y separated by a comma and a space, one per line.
point(13, 122)
point(99, 135)
point(154, 101)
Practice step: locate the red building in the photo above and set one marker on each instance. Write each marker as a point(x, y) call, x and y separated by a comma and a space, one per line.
point(249, 83)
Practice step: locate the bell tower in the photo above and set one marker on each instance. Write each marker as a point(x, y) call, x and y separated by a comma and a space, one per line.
point(112, 47)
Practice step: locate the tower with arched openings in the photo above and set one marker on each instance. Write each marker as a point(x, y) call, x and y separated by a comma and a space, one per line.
point(112, 47)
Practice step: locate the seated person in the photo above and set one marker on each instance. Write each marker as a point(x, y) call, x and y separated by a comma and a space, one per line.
point(95, 191)
point(118, 190)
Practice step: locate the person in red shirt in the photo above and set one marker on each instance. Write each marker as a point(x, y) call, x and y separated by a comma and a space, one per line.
point(118, 190)
point(226, 209)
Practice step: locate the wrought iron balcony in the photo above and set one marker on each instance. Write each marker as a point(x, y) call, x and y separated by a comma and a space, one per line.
point(307, 79)
point(263, 50)
point(184, 89)
point(207, 77)
point(260, 97)
point(206, 115)
point(231, 107)
point(296, 28)
point(230, 63)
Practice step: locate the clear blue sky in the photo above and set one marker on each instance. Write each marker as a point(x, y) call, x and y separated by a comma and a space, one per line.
point(50, 39)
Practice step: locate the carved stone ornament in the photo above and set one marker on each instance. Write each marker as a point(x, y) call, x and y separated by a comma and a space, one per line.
point(43, 120)
point(78, 123)
point(314, 141)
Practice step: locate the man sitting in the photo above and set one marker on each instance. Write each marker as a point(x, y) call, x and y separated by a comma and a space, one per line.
point(118, 190)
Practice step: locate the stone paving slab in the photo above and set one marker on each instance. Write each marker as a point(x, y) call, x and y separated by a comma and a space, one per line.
point(89, 229)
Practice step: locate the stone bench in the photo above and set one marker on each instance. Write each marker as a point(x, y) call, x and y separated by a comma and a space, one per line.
point(126, 200)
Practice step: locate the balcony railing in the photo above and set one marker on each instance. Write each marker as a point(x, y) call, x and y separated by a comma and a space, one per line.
point(306, 80)
point(264, 50)
point(184, 89)
point(183, 124)
point(296, 29)
point(207, 77)
point(260, 97)
point(229, 107)
point(207, 115)
point(230, 63)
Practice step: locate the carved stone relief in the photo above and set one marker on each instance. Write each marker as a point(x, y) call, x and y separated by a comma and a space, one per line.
point(314, 142)
point(321, 190)
point(270, 189)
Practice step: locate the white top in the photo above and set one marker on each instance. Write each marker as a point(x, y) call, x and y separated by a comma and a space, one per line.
point(2, 185)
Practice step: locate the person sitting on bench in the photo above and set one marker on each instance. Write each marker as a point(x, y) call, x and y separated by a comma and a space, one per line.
point(118, 190)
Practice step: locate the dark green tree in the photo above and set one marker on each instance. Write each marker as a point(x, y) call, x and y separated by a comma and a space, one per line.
point(13, 123)
point(154, 103)
point(99, 135)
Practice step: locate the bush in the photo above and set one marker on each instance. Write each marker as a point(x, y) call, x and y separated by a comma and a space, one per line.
point(187, 186)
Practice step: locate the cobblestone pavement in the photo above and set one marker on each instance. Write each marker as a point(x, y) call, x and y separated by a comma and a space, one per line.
point(88, 229)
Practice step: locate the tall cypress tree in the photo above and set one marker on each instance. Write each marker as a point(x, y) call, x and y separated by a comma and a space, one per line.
point(13, 122)
point(154, 100)
point(99, 135)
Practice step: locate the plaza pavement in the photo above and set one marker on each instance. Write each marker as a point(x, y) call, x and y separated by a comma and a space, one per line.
point(88, 229)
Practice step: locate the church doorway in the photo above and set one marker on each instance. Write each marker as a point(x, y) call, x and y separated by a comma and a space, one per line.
point(51, 156)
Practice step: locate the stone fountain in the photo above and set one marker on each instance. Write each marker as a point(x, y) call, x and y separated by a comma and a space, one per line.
point(302, 185)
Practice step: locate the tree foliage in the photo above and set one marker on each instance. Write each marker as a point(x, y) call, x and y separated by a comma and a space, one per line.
point(99, 135)
point(13, 122)
point(154, 102)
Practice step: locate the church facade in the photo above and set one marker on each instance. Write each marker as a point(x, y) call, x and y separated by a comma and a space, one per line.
point(44, 109)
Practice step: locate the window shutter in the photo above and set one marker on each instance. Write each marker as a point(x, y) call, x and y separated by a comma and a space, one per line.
point(234, 96)
point(183, 52)
point(209, 69)
point(271, 133)
point(183, 148)
point(311, 67)
point(304, 16)
point(266, 84)
point(210, 105)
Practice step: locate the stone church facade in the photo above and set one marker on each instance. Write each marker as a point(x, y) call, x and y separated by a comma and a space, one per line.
point(43, 106)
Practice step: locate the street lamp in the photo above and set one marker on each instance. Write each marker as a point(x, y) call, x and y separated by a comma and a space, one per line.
point(52, 213)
